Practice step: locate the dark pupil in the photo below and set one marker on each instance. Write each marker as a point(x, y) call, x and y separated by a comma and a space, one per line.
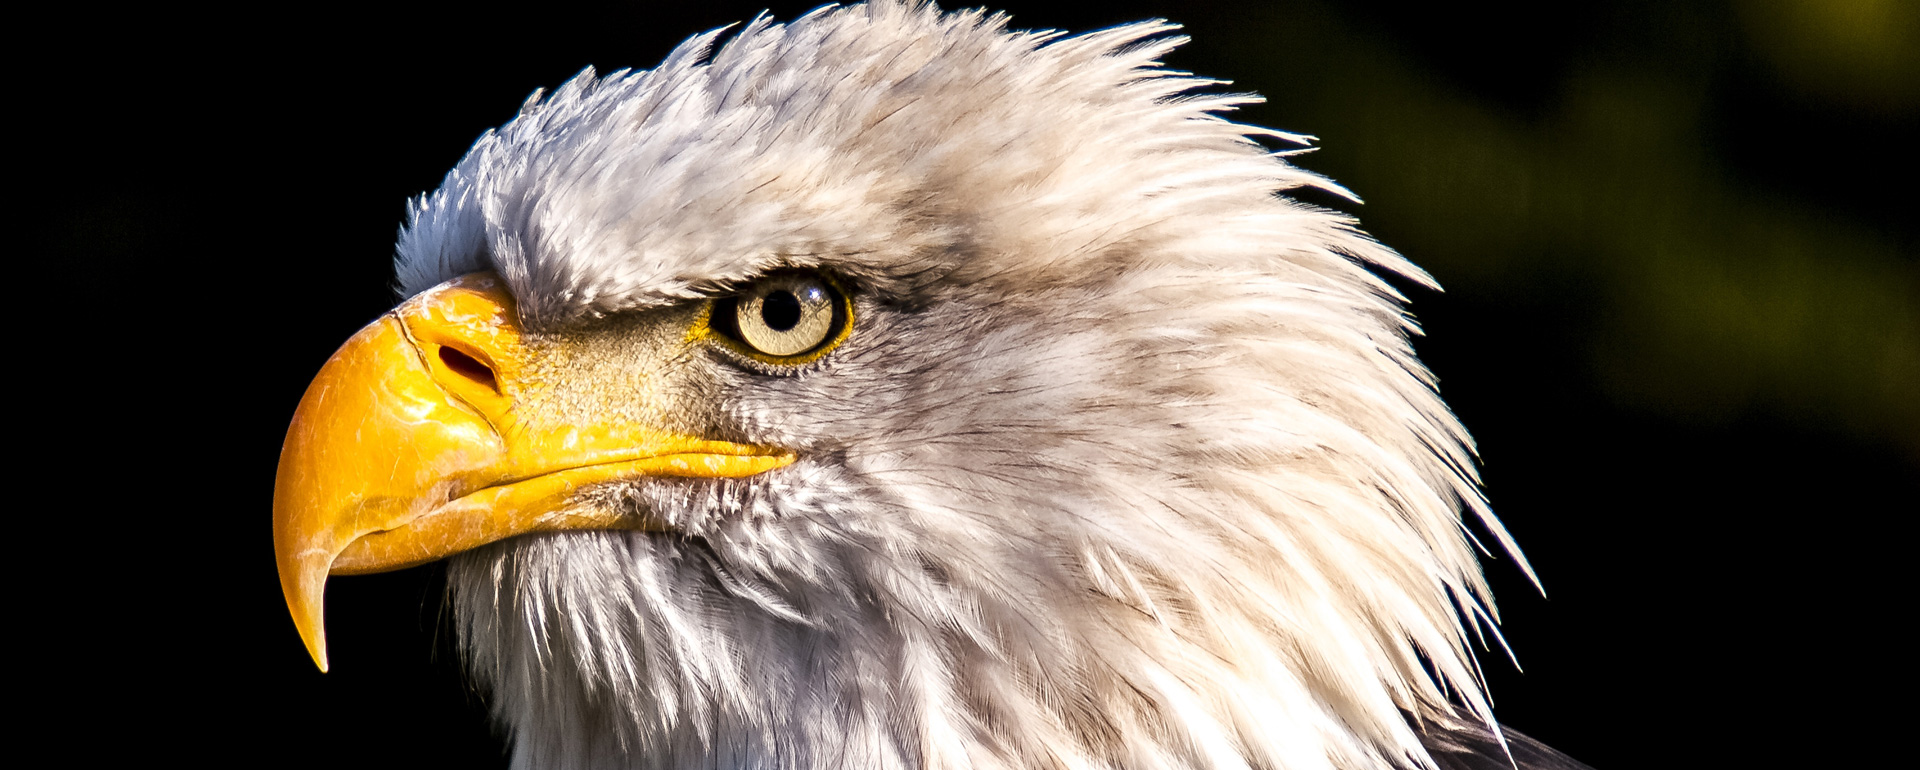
point(780, 310)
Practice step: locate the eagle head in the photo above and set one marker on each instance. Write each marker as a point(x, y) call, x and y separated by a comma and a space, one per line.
point(891, 389)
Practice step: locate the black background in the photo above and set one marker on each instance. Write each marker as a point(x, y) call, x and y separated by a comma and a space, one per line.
point(212, 198)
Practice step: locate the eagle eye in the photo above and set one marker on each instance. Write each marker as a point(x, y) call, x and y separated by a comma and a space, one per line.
point(786, 318)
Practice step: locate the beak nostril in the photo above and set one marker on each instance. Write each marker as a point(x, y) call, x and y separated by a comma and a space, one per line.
point(469, 367)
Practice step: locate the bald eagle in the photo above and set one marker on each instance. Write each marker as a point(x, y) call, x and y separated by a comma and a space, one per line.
point(891, 389)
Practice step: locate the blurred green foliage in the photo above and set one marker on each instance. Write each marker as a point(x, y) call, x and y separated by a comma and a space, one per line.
point(1717, 298)
point(1862, 53)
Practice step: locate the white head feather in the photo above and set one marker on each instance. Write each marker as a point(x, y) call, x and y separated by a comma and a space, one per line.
point(1129, 462)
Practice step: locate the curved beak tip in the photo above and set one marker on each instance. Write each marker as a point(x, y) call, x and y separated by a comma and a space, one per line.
point(315, 637)
point(317, 646)
point(306, 606)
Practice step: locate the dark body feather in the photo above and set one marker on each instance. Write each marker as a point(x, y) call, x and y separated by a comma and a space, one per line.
point(1466, 746)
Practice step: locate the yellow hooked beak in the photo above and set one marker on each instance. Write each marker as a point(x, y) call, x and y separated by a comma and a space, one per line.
point(406, 449)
